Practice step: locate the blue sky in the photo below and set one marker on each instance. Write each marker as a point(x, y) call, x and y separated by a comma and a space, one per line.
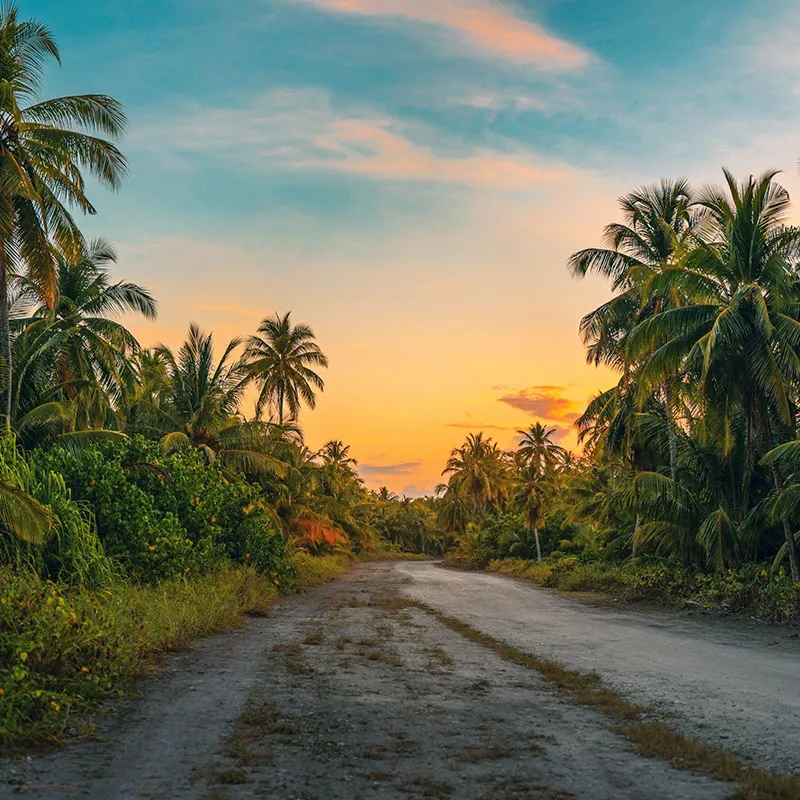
point(409, 176)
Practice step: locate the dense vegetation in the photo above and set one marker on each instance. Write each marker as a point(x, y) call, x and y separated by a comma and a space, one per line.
point(139, 507)
point(690, 461)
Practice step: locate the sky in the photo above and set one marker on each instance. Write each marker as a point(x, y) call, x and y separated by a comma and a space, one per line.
point(409, 178)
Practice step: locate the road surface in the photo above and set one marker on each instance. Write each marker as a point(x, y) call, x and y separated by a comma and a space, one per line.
point(346, 692)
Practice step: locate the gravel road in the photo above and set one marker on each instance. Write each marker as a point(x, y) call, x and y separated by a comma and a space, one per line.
point(347, 693)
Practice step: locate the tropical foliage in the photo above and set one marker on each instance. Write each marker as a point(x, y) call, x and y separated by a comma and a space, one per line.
point(692, 456)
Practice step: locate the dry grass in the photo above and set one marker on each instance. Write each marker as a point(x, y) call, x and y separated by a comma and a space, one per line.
point(383, 657)
point(293, 659)
point(314, 638)
point(439, 656)
point(474, 755)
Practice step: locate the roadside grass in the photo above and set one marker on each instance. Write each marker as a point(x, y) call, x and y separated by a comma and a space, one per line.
point(650, 738)
point(314, 570)
point(63, 650)
point(751, 589)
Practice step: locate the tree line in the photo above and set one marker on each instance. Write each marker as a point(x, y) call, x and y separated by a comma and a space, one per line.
point(692, 455)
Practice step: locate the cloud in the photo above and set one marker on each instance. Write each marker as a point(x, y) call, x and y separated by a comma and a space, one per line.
point(476, 427)
point(545, 402)
point(300, 129)
point(388, 470)
point(426, 490)
point(486, 26)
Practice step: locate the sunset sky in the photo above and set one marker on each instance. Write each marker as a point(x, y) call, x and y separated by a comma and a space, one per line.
point(409, 178)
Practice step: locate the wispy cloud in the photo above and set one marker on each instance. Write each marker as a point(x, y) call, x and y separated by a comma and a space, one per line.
point(544, 402)
point(476, 427)
point(389, 470)
point(301, 130)
point(486, 26)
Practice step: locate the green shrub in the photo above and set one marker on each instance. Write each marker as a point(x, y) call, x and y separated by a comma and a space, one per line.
point(63, 649)
point(162, 515)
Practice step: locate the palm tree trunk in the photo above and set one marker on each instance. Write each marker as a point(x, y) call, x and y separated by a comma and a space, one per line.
point(634, 548)
point(787, 532)
point(538, 546)
point(5, 336)
point(280, 406)
point(673, 439)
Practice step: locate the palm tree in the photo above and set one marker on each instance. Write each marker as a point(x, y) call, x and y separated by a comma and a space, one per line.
point(737, 338)
point(538, 451)
point(89, 354)
point(44, 145)
point(200, 408)
point(532, 494)
point(280, 359)
point(478, 472)
point(659, 223)
point(337, 452)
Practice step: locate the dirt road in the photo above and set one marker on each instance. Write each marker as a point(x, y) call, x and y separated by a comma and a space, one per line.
point(347, 692)
point(730, 683)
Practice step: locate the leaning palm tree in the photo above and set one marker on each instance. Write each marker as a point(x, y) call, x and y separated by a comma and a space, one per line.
point(281, 358)
point(44, 145)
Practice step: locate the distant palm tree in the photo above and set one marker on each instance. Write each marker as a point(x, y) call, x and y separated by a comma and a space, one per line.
point(477, 472)
point(538, 451)
point(337, 452)
point(43, 147)
point(532, 495)
point(280, 359)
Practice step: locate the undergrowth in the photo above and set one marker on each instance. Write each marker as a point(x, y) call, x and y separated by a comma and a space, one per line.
point(752, 589)
point(63, 649)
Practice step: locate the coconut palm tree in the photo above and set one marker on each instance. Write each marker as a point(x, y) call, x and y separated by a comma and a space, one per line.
point(537, 450)
point(44, 146)
point(736, 337)
point(478, 472)
point(90, 355)
point(280, 359)
point(200, 408)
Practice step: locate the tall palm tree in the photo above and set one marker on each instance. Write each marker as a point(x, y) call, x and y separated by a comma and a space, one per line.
point(281, 358)
point(44, 145)
point(532, 494)
point(659, 222)
point(737, 336)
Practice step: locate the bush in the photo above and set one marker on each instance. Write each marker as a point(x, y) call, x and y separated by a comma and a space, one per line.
point(162, 515)
point(62, 649)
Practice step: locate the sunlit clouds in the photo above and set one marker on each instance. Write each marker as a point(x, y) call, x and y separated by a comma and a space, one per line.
point(489, 28)
point(300, 129)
